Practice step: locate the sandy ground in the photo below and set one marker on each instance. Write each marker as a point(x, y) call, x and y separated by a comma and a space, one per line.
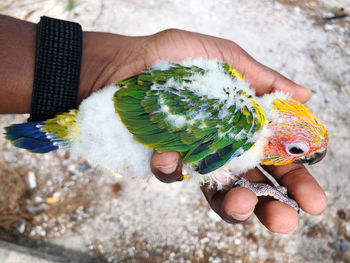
point(121, 221)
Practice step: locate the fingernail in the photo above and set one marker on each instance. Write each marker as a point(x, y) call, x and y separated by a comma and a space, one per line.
point(307, 90)
point(307, 93)
point(241, 217)
point(168, 169)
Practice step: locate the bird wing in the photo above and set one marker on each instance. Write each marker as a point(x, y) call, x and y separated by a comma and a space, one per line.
point(166, 116)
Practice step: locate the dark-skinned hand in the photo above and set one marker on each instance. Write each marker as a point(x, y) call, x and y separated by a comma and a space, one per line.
point(109, 57)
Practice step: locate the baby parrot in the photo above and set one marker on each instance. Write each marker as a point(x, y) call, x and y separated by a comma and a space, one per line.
point(202, 109)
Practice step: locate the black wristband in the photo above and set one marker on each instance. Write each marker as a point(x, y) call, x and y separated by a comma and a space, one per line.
point(57, 68)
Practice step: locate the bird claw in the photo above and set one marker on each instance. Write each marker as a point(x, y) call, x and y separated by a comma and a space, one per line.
point(260, 189)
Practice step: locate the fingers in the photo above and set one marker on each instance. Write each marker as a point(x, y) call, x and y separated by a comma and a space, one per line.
point(261, 78)
point(301, 186)
point(237, 205)
point(265, 80)
point(167, 167)
point(233, 206)
point(280, 83)
point(276, 216)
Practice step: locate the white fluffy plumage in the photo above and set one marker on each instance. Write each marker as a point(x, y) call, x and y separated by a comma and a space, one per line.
point(105, 140)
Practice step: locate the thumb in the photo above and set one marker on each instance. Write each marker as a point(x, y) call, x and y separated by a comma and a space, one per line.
point(167, 166)
point(266, 80)
point(298, 92)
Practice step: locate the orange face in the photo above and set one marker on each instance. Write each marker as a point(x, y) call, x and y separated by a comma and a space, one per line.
point(296, 135)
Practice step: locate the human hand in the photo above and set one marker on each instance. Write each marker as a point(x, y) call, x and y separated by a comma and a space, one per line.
point(107, 58)
point(235, 205)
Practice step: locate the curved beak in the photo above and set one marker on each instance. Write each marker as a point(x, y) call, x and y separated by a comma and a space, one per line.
point(315, 158)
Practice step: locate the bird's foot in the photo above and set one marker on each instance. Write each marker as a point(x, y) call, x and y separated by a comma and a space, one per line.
point(260, 189)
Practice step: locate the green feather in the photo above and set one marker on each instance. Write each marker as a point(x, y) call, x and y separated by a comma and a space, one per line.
point(153, 141)
point(157, 117)
point(188, 137)
point(220, 142)
point(226, 152)
point(247, 146)
point(203, 132)
point(197, 153)
point(210, 123)
point(147, 106)
point(149, 130)
point(150, 104)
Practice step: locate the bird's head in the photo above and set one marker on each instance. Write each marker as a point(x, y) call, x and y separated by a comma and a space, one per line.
point(296, 135)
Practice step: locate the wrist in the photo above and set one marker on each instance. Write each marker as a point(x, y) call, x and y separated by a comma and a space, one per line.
point(17, 52)
point(103, 55)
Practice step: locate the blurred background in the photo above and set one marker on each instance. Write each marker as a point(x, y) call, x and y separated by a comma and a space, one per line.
point(59, 205)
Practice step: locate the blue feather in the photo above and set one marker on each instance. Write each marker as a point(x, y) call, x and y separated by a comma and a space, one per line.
point(34, 145)
point(29, 126)
point(211, 163)
point(31, 137)
point(216, 160)
point(15, 134)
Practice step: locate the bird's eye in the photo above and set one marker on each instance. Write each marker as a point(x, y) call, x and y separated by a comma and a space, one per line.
point(297, 148)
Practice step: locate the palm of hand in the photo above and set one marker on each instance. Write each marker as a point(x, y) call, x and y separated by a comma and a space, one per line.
point(236, 204)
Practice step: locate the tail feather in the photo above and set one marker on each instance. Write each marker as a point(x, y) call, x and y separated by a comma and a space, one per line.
point(32, 137)
point(17, 131)
point(34, 145)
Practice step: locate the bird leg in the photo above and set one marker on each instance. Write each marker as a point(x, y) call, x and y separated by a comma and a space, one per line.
point(260, 189)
